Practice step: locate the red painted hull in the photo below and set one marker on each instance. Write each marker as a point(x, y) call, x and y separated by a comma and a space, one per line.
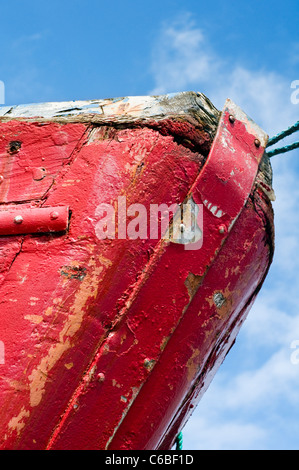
point(109, 344)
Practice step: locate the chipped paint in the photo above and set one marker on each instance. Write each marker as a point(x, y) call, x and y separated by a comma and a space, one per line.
point(113, 332)
point(219, 299)
point(17, 423)
point(34, 318)
point(88, 289)
point(193, 364)
point(214, 209)
point(192, 283)
point(149, 364)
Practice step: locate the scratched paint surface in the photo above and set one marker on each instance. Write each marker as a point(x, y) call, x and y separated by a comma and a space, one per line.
point(110, 343)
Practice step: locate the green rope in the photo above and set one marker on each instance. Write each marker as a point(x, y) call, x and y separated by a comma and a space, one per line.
point(281, 136)
point(179, 441)
point(284, 149)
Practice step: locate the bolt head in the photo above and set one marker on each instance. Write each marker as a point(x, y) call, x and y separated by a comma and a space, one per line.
point(101, 377)
point(1, 179)
point(18, 219)
point(231, 118)
point(54, 215)
point(257, 143)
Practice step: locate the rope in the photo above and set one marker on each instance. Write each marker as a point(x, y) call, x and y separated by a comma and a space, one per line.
point(290, 130)
point(283, 134)
point(287, 148)
point(179, 441)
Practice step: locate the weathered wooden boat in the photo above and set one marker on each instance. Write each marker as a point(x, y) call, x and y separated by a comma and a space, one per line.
point(109, 343)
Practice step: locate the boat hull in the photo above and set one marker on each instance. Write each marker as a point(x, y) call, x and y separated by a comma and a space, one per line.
point(110, 342)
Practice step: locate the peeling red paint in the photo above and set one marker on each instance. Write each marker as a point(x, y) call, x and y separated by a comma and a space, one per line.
point(110, 343)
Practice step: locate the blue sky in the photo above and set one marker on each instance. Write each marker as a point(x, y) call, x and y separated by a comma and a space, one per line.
point(247, 51)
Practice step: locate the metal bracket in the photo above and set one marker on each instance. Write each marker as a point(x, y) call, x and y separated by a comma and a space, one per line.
point(224, 184)
point(22, 220)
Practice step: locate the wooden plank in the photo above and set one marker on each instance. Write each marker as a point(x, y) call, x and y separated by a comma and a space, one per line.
point(109, 342)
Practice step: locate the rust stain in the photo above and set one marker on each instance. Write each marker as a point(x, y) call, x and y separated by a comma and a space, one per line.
point(225, 307)
point(192, 364)
point(232, 271)
point(192, 282)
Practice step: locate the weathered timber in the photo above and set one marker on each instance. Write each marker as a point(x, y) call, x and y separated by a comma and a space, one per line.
point(110, 343)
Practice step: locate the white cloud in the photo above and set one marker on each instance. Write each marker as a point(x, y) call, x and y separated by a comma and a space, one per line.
point(27, 40)
point(180, 57)
point(183, 59)
point(268, 324)
point(27, 83)
point(264, 385)
point(254, 405)
point(255, 409)
point(204, 434)
point(264, 95)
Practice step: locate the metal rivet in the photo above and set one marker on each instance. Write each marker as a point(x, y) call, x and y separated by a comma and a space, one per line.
point(54, 215)
point(222, 228)
point(257, 142)
point(18, 219)
point(182, 227)
point(101, 377)
point(1, 179)
point(231, 118)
